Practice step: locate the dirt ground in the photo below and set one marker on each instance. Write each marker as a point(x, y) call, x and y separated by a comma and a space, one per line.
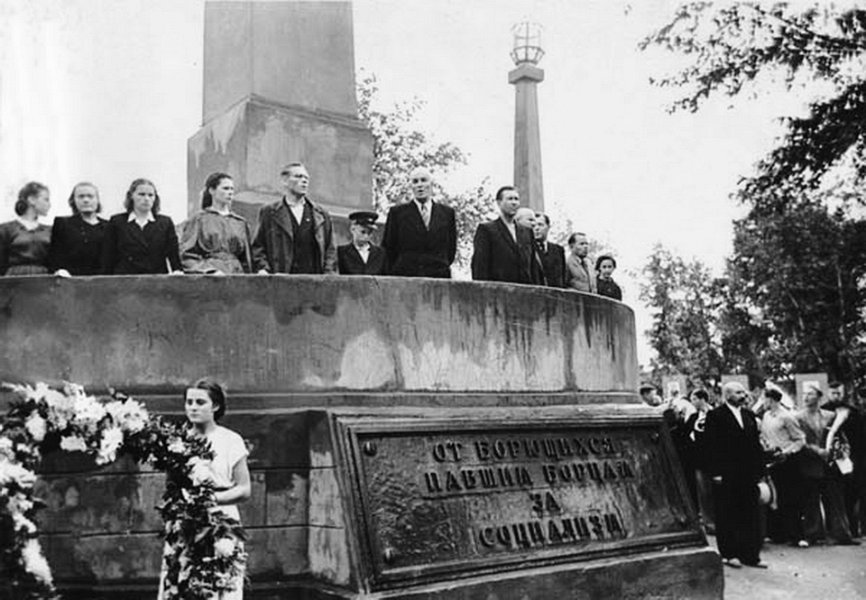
point(816, 573)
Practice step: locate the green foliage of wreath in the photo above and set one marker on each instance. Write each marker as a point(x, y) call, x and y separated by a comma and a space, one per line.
point(204, 553)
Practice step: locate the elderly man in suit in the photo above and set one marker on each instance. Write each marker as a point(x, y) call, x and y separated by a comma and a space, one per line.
point(736, 464)
point(420, 237)
point(503, 249)
point(552, 255)
point(295, 235)
point(361, 257)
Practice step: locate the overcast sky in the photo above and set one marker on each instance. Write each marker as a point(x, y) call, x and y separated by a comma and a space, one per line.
point(110, 90)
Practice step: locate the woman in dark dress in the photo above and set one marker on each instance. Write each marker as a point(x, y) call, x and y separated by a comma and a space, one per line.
point(140, 241)
point(605, 285)
point(215, 240)
point(24, 242)
point(76, 241)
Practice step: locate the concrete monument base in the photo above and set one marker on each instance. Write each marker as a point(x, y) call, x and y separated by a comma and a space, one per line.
point(409, 438)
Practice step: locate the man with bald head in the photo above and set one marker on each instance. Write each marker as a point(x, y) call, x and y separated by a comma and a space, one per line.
point(420, 236)
point(736, 464)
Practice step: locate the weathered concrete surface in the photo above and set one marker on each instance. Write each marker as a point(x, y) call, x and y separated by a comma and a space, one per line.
point(280, 50)
point(297, 334)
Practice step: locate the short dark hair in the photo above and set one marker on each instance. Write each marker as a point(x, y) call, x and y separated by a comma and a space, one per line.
point(603, 258)
point(836, 384)
point(543, 216)
point(127, 203)
point(296, 163)
point(573, 237)
point(773, 394)
point(30, 189)
point(213, 180)
point(502, 190)
point(72, 196)
point(645, 389)
point(217, 393)
point(702, 394)
point(816, 389)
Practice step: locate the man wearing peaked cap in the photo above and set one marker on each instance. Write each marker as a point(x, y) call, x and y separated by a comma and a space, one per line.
point(361, 257)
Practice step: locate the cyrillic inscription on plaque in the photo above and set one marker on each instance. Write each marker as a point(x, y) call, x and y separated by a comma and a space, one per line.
point(459, 496)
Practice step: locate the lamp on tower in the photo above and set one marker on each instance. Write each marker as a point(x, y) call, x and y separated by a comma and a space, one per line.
point(527, 43)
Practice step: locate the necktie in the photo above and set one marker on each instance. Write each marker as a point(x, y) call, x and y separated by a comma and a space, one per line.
point(425, 214)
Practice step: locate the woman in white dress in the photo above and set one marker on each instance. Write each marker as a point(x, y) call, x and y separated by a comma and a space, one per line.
point(205, 405)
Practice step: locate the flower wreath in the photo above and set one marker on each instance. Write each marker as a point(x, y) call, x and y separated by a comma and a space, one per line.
point(203, 555)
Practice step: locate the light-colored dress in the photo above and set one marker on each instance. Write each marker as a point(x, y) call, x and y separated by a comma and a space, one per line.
point(229, 449)
point(213, 241)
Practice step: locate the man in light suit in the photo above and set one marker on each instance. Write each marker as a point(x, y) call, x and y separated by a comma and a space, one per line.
point(361, 257)
point(580, 273)
point(736, 464)
point(502, 249)
point(420, 236)
point(295, 235)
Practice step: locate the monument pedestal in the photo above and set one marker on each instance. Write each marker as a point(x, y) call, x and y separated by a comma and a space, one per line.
point(409, 438)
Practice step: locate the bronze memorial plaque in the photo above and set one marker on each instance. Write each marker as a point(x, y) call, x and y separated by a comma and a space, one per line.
point(447, 496)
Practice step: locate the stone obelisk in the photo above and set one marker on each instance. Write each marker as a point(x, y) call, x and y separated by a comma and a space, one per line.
point(279, 86)
point(527, 138)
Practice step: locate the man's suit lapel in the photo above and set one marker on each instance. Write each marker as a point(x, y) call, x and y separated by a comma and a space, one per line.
point(283, 220)
point(502, 229)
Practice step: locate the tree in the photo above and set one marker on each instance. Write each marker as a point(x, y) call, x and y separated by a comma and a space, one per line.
point(399, 147)
point(685, 300)
point(743, 45)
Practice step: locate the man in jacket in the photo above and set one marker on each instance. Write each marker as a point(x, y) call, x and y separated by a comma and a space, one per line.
point(736, 464)
point(420, 237)
point(502, 249)
point(295, 235)
point(552, 255)
point(361, 257)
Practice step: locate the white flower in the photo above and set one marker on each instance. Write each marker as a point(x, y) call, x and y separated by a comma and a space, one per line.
point(23, 524)
point(200, 470)
point(6, 447)
point(61, 409)
point(36, 427)
point(177, 446)
point(35, 562)
point(130, 415)
point(14, 472)
point(224, 547)
point(88, 411)
point(112, 440)
point(72, 443)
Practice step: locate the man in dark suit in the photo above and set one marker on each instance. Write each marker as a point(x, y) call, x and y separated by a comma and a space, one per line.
point(295, 235)
point(552, 255)
point(736, 464)
point(420, 237)
point(361, 257)
point(502, 249)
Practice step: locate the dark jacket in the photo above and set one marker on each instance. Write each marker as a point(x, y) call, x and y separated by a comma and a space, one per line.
point(272, 246)
point(607, 287)
point(350, 263)
point(130, 250)
point(553, 262)
point(76, 245)
point(415, 251)
point(496, 256)
point(733, 452)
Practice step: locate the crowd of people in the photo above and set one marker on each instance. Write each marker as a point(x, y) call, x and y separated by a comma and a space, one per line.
point(760, 468)
point(293, 235)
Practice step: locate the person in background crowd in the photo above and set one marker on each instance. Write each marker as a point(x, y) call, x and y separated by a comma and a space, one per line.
point(850, 423)
point(695, 426)
point(649, 394)
point(502, 249)
point(361, 257)
point(736, 464)
point(420, 237)
point(140, 241)
point(580, 275)
point(76, 241)
point(784, 438)
point(821, 485)
point(215, 240)
point(295, 235)
point(24, 242)
point(605, 285)
point(552, 255)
